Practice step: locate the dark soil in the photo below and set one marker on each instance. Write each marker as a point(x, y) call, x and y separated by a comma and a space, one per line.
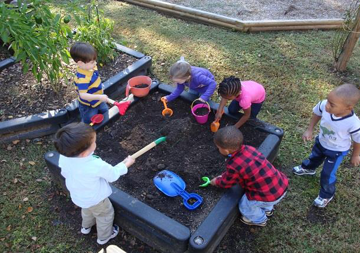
point(4, 54)
point(201, 111)
point(189, 152)
point(22, 95)
point(141, 86)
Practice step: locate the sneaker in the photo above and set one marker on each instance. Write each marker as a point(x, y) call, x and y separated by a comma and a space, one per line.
point(320, 202)
point(113, 235)
point(298, 170)
point(250, 223)
point(85, 231)
point(269, 213)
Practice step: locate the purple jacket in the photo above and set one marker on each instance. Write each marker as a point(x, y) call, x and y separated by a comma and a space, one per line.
point(201, 81)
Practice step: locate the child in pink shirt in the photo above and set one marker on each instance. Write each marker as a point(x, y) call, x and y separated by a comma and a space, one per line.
point(246, 95)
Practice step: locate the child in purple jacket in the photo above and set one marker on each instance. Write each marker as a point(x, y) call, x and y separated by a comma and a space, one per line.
point(199, 80)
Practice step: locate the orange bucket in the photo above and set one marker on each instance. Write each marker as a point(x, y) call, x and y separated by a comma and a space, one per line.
point(139, 86)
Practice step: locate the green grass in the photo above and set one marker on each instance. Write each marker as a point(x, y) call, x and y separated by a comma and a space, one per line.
point(294, 67)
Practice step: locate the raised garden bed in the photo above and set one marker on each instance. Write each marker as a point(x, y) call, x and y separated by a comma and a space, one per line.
point(6, 60)
point(160, 221)
point(37, 109)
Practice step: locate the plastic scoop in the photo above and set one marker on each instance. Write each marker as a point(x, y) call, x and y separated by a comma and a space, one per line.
point(215, 126)
point(96, 119)
point(172, 185)
point(207, 182)
point(124, 104)
point(166, 111)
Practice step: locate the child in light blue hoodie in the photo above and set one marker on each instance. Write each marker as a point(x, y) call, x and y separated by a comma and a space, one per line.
point(199, 80)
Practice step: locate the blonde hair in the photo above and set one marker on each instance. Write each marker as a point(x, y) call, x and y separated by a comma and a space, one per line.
point(180, 69)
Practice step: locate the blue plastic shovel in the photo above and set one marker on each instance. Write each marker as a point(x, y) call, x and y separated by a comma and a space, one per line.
point(172, 185)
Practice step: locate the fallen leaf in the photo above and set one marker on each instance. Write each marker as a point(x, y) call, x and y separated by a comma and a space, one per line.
point(8, 228)
point(9, 148)
point(32, 163)
point(15, 180)
point(26, 199)
point(20, 206)
point(34, 238)
point(29, 209)
point(15, 142)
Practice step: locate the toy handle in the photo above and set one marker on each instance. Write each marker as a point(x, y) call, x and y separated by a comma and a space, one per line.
point(164, 102)
point(111, 101)
point(127, 90)
point(192, 104)
point(143, 150)
point(186, 196)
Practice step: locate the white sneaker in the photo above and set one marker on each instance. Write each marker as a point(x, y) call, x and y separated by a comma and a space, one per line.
point(320, 202)
point(85, 231)
point(300, 171)
point(113, 235)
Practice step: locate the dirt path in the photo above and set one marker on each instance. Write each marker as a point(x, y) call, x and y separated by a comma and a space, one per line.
point(265, 9)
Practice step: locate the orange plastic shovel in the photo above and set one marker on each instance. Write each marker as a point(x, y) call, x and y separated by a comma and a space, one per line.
point(215, 126)
point(166, 111)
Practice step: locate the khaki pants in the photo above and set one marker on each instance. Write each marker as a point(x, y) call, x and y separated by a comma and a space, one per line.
point(102, 215)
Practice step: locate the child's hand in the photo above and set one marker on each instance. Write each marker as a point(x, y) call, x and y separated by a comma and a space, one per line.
point(128, 161)
point(212, 182)
point(218, 116)
point(355, 161)
point(307, 136)
point(164, 98)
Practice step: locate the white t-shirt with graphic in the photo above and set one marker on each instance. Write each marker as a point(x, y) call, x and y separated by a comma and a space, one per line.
point(336, 133)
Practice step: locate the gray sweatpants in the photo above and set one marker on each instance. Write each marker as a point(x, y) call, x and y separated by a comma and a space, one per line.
point(102, 215)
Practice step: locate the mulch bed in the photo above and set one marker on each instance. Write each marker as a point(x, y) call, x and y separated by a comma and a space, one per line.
point(22, 95)
point(189, 152)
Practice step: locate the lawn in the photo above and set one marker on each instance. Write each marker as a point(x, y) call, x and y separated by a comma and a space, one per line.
point(296, 70)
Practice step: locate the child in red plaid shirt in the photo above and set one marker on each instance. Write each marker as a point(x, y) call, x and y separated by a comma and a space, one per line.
point(264, 185)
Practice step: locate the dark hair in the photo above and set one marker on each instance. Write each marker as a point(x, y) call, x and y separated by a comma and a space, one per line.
point(73, 139)
point(349, 94)
point(230, 86)
point(84, 52)
point(229, 137)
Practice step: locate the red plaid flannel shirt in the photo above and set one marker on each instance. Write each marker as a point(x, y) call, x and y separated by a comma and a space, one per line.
point(256, 175)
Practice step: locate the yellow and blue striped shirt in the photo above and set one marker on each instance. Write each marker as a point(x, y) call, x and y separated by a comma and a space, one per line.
point(88, 81)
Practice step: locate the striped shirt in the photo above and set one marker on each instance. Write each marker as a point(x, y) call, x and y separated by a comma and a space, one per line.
point(88, 81)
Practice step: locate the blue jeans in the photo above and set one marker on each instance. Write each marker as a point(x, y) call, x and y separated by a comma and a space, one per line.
point(234, 109)
point(331, 164)
point(254, 210)
point(86, 112)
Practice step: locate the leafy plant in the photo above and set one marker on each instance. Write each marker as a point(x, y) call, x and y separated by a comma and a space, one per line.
point(38, 37)
point(96, 30)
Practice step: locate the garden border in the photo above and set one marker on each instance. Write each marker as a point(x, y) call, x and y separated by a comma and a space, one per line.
point(155, 228)
point(7, 63)
point(48, 122)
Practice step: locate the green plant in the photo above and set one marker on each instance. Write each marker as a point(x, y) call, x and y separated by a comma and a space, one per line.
point(37, 36)
point(96, 30)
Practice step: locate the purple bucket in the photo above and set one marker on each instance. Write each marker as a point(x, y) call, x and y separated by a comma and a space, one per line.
point(201, 119)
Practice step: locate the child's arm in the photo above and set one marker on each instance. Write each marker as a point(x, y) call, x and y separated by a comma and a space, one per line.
point(211, 86)
point(355, 158)
point(244, 118)
point(307, 136)
point(226, 180)
point(89, 97)
point(179, 88)
point(112, 173)
point(222, 104)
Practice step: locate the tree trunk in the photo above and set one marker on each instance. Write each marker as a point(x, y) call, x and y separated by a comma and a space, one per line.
point(349, 45)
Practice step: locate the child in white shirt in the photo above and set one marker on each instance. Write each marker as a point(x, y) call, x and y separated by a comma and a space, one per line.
point(339, 126)
point(87, 178)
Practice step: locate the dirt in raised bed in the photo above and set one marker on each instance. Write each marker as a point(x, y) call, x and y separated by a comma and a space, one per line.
point(4, 53)
point(22, 95)
point(189, 152)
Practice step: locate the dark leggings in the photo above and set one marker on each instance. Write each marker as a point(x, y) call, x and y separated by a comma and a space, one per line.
point(234, 109)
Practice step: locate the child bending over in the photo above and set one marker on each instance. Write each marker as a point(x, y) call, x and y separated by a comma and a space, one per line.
point(339, 125)
point(264, 185)
point(92, 99)
point(246, 95)
point(87, 178)
point(199, 80)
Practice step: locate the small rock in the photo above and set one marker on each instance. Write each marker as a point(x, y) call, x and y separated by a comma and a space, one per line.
point(161, 166)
